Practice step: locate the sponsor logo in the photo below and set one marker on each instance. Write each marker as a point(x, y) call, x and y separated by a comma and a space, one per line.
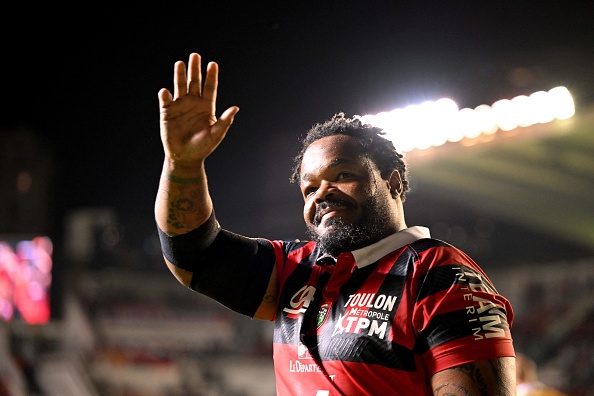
point(301, 300)
point(304, 362)
point(303, 352)
point(322, 315)
point(295, 366)
point(366, 313)
point(483, 314)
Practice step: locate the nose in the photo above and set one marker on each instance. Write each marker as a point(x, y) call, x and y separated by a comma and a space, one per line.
point(325, 191)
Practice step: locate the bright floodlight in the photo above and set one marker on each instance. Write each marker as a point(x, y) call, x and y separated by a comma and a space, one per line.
point(434, 123)
point(562, 103)
point(504, 114)
point(486, 119)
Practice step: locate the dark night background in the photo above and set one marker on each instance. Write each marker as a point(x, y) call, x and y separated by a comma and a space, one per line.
point(80, 116)
point(85, 80)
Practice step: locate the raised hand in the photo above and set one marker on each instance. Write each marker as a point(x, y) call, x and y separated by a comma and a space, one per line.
point(190, 130)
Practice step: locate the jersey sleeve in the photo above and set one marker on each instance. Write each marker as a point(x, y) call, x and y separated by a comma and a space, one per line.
point(458, 314)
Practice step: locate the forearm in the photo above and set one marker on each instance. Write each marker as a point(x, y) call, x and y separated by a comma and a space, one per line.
point(183, 202)
point(496, 377)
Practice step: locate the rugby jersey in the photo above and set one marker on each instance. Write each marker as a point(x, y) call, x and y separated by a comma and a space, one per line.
point(382, 319)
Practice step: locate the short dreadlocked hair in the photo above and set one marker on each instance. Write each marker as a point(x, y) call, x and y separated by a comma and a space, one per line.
point(378, 149)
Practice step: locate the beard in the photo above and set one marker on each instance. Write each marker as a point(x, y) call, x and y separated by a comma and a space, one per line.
point(374, 225)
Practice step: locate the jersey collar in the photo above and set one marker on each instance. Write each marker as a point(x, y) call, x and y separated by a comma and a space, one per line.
point(370, 254)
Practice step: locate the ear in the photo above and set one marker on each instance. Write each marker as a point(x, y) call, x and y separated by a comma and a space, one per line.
point(395, 184)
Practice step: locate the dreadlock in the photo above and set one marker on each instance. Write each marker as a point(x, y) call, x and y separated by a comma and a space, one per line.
point(378, 149)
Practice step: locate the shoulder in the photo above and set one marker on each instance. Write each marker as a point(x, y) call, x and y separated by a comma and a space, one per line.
point(437, 251)
point(424, 244)
point(293, 246)
point(296, 251)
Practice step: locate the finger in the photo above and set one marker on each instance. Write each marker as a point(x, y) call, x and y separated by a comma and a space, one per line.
point(212, 81)
point(225, 120)
point(165, 98)
point(180, 87)
point(194, 75)
point(229, 115)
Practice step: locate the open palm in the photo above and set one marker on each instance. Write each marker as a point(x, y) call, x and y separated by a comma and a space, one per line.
point(190, 130)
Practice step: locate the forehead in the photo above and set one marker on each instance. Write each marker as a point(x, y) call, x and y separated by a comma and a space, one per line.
point(331, 151)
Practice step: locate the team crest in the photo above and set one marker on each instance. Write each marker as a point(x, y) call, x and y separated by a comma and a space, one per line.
point(322, 315)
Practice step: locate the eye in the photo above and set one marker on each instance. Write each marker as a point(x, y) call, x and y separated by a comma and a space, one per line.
point(308, 191)
point(344, 175)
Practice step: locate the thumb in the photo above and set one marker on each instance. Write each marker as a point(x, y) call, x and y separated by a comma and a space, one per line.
point(225, 120)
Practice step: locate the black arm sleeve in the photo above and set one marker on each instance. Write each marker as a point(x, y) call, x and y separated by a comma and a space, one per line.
point(182, 250)
point(235, 271)
point(232, 269)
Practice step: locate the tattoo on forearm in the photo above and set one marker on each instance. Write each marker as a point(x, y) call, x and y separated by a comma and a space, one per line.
point(184, 204)
point(173, 217)
point(478, 379)
point(451, 390)
point(179, 211)
point(475, 375)
point(183, 180)
point(498, 370)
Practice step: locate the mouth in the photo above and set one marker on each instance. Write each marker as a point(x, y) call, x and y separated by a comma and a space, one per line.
point(328, 210)
point(325, 213)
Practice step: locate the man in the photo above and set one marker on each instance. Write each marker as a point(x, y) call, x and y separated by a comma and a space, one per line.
point(369, 306)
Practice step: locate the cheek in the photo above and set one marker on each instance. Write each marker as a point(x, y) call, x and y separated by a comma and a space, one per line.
point(359, 193)
point(309, 211)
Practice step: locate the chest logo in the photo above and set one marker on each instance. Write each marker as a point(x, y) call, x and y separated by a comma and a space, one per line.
point(300, 301)
point(322, 315)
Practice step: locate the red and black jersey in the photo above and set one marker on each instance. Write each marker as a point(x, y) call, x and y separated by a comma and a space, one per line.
point(372, 326)
point(379, 320)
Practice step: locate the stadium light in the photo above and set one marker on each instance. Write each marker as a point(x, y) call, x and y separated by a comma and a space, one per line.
point(418, 127)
